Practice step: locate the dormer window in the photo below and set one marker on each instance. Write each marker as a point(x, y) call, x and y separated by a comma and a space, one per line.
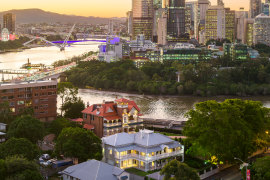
point(109, 110)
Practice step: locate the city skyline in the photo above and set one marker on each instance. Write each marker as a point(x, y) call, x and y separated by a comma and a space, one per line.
point(106, 8)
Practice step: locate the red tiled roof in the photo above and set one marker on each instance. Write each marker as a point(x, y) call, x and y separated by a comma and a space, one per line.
point(88, 126)
point(102, 110)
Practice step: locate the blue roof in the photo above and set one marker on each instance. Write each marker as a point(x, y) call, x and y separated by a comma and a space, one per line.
point(93, 170)
point(145, 138)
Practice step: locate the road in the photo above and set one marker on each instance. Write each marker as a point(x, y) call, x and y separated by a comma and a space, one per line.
point(231, 173)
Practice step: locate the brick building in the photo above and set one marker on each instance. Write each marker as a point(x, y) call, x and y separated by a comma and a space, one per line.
point(113, 117)
point(40, 95)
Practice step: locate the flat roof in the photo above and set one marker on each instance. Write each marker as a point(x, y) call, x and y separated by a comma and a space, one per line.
point(25, 84)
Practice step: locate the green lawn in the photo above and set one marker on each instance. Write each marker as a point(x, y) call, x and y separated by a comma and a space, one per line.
point(139, 172)
point(168, 134)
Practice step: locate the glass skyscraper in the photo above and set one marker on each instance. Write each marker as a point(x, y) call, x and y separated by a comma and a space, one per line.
point(142, 18)
point(176, 20)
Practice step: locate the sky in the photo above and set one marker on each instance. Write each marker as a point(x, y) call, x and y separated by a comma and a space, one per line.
point(98, 8)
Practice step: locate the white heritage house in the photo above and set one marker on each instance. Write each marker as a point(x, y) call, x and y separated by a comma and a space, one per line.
point(144, 150)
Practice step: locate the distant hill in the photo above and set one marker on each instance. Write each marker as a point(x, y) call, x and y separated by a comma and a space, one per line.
point(40, 16)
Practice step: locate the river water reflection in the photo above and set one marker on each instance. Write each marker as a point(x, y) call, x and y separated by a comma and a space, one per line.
point(159, 107)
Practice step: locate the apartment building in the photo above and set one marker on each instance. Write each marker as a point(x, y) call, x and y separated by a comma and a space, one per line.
point(39, 95)
point(144, 150)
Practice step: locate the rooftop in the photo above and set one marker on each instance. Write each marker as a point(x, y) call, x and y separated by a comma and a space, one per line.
point(93, 169)
point(26, 84)
point(144, 138)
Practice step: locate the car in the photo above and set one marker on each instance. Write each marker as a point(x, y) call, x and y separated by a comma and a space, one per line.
point(45, 156)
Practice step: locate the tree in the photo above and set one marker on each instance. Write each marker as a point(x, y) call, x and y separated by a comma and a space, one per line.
point(228, 129)
point(261, 168)
point(73, 109)
point(16, 167)
point(176, 170)
point(67, 92)
point(19, 146)
point(26, 127)
point(79, 143)
point(59, 124)
point(5, 113)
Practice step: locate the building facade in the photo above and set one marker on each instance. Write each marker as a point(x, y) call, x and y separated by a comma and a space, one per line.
point(240, 17)
point(248, 31)
point(215, 26)
point(255, 8)
point(144, 150)
point(142, 11)
point(176, 20)
point(113, 117)
point(262, 29)
point(230, 24)
point(9, 20)
point(199, 16)
point(39, 95)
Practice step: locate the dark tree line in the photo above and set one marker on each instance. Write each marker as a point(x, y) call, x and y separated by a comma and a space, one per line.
point(216, 77)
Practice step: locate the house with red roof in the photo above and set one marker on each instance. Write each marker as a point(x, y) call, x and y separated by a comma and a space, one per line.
point(111, 117)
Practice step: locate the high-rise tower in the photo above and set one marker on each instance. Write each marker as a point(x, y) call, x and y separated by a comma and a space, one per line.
point(142, 18)
point(9, 20)
point(176, 20)
point(255, 8)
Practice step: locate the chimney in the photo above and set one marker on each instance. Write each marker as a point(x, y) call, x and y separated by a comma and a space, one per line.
point(87, 104)
point(103, 101)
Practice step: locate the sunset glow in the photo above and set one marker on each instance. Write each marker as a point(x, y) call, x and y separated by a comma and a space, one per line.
point(100, 8)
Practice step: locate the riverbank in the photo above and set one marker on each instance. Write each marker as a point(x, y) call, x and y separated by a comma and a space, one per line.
point(13, 50)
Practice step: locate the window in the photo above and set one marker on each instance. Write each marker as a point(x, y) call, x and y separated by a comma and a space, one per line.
point(110, 151)
point(20, 102)
point(12, 110)
point(92, 118)
point(36, 107)
point(36, 101)
point(11, 104)
point(85, 116)
point(21, 96)
point(43, 87)
point(36, 94)
point(45, 99)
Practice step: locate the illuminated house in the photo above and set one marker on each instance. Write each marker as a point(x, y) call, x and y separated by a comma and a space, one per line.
point(144, 150)
point(113, 117)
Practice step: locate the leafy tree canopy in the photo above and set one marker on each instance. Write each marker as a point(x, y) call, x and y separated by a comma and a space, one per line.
point(233, 128)
point(73, 109)
point(26, 127)
point(57, 125)
point(79, 143)
point(176, 170)
point(18, 168)
point(19, 146)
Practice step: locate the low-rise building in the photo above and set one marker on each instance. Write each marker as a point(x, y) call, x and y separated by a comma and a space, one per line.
point(236, 51)
point(94, 170)
point(144, 150)
point(113, 117)
point(39, 95)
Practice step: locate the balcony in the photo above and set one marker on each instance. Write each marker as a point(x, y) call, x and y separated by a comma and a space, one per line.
point(150, 158)
point(111, 124)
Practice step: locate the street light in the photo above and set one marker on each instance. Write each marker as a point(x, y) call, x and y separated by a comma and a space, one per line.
point(244, 164)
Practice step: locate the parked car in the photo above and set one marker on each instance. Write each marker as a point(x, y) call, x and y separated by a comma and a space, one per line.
point(45, 156)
